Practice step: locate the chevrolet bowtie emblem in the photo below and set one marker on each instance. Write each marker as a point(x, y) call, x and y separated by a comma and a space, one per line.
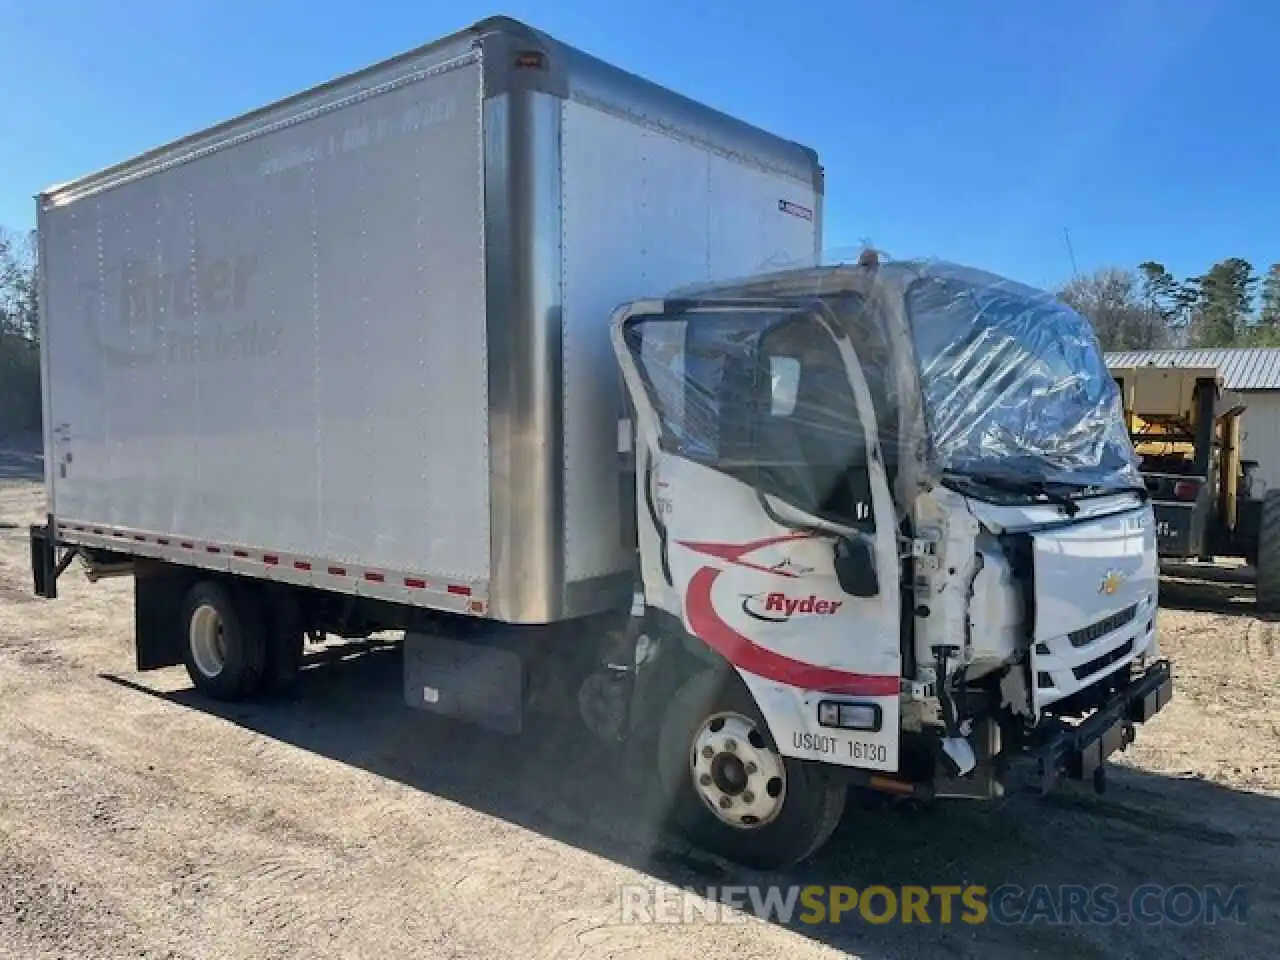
point(1112, 581)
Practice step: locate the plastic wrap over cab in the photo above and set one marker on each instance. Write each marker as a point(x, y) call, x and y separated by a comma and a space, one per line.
point(970, 372)
point(1014, 383)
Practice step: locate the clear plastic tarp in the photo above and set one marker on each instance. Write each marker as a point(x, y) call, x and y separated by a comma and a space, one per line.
point(972, 376)
point(1014, 383)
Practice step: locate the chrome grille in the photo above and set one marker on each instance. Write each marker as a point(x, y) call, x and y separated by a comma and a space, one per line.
point(1086, 635)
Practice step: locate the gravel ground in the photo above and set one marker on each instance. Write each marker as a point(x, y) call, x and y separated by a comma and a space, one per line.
point(138, 820)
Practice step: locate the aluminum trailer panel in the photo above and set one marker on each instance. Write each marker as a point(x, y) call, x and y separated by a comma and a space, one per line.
point(358, 339)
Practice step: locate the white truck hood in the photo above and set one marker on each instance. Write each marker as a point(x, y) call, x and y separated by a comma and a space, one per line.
point(1096, 589)
point(1097, 585)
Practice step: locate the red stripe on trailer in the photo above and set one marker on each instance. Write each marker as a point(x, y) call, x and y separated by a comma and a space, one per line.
point(214, 549)
point(139, 537)
point(337, 571)
point(187, 546)
point(374, 577)
point(459, 591)
point(271, 559)
point(415, 582)
point(163, 541)
point(239, 553)
point(302, 565)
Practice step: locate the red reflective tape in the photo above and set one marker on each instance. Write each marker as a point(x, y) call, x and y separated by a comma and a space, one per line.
point(459, 591)
point(415, 582)
point(239, 553)
point(187, 546)
point(163, 541)
point(373, 577)
point(139, 537)
point(214, 549)
point(302, 565)
point(98, 531)
point(337, 571)
point(270, 558)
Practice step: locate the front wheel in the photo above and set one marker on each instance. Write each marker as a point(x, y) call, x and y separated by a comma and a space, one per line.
point(727, 786)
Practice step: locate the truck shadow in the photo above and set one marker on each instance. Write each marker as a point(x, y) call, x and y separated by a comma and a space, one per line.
point(558, 782)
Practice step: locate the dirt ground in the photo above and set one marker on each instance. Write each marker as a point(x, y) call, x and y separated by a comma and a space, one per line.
point(137, 820)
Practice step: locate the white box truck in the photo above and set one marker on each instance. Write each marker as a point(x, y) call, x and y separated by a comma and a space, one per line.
point(355, 362)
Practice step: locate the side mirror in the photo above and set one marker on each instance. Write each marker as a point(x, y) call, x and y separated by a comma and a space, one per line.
point(855, 566)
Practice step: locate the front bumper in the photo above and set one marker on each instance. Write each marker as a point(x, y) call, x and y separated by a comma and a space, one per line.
point(1078, 752)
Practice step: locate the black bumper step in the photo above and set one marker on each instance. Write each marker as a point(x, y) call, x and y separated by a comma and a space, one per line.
point(1078, 752)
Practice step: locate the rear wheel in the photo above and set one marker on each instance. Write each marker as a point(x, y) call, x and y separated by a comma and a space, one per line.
point(727, 786)
point(226, 637)
point(1268, 550)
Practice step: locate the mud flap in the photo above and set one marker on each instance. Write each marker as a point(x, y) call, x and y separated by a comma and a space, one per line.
point(159, 590)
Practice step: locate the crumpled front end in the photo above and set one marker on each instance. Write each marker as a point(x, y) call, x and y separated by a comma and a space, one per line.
point(1056, 619)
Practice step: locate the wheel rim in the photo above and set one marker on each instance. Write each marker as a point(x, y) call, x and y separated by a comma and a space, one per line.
point(739, 778)
point(208, 641)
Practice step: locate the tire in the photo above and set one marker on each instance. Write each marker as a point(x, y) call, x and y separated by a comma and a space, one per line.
point(224, 640)
point(811, 801)
point(284, 643)
point(1268, 563)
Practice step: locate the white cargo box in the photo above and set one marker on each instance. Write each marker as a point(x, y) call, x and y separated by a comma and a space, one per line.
point(358, 339)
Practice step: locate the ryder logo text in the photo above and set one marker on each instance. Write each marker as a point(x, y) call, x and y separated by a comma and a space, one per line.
point(778, 607)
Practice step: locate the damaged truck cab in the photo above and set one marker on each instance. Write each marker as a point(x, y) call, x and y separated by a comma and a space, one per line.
point(891, 535)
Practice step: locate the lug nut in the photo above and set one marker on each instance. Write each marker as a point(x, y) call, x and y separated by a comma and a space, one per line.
point(725, 803)
point(705, 779)
point(748, 797)
point(731, 745)
point(708, 752)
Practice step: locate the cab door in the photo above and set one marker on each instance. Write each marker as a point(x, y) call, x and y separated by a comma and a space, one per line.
point(766, 520)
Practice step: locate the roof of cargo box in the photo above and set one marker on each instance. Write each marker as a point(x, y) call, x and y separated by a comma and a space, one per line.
point(534, 61)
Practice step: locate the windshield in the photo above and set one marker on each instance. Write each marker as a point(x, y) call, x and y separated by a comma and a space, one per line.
point(1014, 384)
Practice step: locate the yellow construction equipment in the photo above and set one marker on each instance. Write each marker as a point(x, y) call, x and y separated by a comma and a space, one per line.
point(1189, 444)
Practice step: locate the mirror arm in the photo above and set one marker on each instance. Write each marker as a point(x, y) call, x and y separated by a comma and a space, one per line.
point(782, 521)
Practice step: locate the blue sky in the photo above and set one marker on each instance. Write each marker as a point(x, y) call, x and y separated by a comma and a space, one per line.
point(975, 132)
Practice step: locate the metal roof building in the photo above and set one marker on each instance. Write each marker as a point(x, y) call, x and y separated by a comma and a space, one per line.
point(1242, 368)
point(1252, 375)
